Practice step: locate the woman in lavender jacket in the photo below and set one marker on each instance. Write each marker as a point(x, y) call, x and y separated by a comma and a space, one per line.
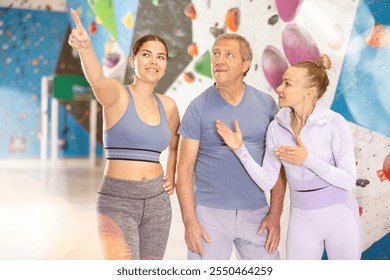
point(315, 146)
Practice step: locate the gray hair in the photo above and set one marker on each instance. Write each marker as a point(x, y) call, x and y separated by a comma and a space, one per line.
point(245, 47)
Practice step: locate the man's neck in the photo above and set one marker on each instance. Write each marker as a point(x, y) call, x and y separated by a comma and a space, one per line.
point(232, 93)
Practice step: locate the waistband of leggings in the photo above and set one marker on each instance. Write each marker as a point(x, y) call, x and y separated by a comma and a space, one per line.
point(317, 198)
point(131, 188)
point(311, 190)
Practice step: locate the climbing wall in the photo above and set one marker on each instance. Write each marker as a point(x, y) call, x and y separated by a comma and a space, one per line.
point(354, 34)
point(25, 38)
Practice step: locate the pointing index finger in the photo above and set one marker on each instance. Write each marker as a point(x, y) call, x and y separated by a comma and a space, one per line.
point(76, 20)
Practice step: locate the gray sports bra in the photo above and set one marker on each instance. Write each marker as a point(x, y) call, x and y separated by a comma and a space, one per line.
point(131, 139)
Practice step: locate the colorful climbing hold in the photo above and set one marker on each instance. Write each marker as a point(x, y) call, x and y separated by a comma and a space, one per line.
point(127, 20)
point(378, 37)
point(189, 77)
point(384, 174)
point(274, 65)
point(192, 49)
point(287, 9)
point(203, 65)
point(92, 28)
point(233, 19)
point(298, 45)
point(190, 11)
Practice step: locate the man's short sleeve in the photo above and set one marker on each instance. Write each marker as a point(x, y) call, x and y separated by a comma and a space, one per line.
point(274, 109)
point(190, 125)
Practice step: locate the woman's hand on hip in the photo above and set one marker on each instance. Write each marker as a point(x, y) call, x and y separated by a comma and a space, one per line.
point(168, 186)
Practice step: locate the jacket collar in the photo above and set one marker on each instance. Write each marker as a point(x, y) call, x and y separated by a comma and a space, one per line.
point(320, 116)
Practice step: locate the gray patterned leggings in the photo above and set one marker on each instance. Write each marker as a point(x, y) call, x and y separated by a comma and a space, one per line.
point(134, 218)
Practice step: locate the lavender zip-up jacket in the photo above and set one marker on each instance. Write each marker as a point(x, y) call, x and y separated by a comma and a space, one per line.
point(329, 166)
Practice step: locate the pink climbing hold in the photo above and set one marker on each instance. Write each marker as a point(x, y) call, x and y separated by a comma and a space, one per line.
point(287, 9)
point(298, 45)
point(274, 65)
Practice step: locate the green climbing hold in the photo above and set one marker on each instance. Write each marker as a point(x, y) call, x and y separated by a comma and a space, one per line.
point(203, 65)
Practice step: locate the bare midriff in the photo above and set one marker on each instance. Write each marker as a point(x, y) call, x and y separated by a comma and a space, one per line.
point(132, 170)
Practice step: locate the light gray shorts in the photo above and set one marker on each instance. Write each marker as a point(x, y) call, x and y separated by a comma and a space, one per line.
point(233, 227)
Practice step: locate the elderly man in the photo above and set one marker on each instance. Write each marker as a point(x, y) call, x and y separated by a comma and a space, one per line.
point(221, 205)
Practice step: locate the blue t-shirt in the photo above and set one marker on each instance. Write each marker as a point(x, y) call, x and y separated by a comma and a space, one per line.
point(221, 181)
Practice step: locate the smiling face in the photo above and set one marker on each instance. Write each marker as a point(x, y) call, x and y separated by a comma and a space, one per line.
point(294, 90)
point(150, 62)
point(227, 63)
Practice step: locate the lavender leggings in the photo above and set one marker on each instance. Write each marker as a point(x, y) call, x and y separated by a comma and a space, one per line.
point(134, 218)
point(337, 228)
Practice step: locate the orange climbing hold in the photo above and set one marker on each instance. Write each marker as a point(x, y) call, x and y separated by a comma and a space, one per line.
point(92, 28)
point(233, 19)
point(192, 49)
point(377, 37)
point(190, 11)
point(189, 77)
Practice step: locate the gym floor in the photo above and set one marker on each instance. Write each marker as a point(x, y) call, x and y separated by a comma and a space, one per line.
point(48, 211)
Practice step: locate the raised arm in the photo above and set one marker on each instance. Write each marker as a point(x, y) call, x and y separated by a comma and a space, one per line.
point(106, 90)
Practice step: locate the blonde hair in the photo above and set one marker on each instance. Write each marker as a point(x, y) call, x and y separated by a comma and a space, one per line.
point(316, 72)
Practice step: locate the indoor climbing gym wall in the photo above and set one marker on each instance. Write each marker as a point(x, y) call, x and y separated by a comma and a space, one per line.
point(30, 43)
point(34, 44)
point(354, 33)
point(33, 36)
